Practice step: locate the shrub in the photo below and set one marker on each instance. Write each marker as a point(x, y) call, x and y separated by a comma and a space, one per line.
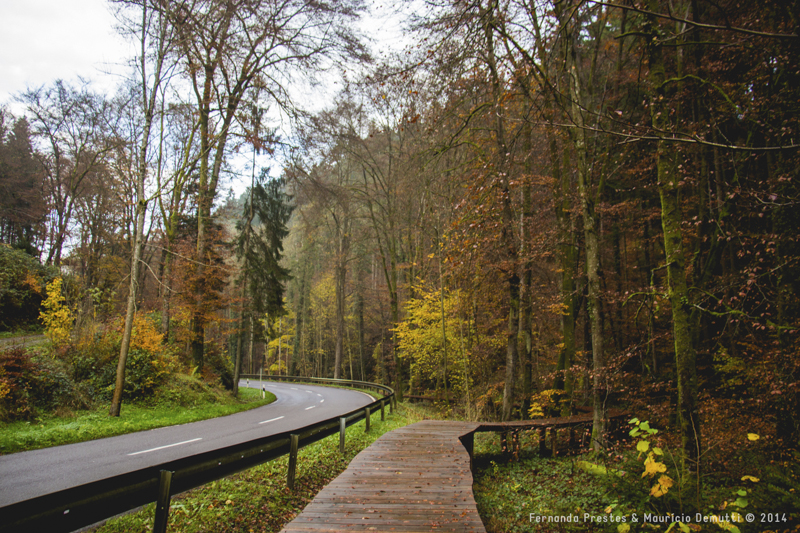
point(30, 384)
point(144, 373)
point(56, 316)
point(22, 280)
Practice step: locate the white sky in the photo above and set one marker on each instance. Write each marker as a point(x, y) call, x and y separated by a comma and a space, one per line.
point(45, 40)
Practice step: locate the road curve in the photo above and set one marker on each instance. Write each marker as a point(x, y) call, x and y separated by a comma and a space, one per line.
point(26, 475)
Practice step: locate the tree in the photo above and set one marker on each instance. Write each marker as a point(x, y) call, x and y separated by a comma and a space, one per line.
point(22, 206)
point(155, 37)
point(70, 126)
point(231, 46)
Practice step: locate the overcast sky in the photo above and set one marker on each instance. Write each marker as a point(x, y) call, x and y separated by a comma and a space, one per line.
point(44, 40)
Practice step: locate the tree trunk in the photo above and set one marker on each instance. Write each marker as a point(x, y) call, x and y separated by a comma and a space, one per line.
point(341, 279)
point(677, 289)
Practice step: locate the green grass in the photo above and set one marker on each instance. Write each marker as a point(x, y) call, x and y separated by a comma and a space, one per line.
point(257, 500)
point(95, 424)
point(37, 330)
point(508, 493)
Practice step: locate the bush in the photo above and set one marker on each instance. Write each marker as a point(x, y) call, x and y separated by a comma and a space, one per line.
point(144, 373)
point(31, 383)
point(22, 281)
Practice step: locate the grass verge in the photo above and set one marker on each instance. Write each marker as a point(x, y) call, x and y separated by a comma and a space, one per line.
point(93, 424)
point(257, 500)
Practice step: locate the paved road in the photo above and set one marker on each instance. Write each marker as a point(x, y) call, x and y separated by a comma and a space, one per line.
point(29, 474)
point(24, 341)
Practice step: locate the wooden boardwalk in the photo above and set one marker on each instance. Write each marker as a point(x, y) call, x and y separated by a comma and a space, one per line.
point(416, 478)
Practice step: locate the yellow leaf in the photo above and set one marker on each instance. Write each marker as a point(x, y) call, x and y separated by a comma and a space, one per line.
point(657, 490)
point(653, 467)
point(750, 478)
point(643, 446)
point(753, 437)
point(662, 487)
point(623, 528)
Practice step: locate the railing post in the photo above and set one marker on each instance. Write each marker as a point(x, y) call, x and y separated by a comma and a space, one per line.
point(342, 427)
point(294, 440)
point(366, 419)
point(542, 445)
point(469, 443)
point(162, 503)
point(383, 416)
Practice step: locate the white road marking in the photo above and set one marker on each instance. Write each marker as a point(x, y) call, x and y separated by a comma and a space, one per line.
point(318, 394)
point(294, 388)
point(310, 391)
point(313, 406)
point(272, 420)
point(167, 446)
point(367, 395)
point(322, 400)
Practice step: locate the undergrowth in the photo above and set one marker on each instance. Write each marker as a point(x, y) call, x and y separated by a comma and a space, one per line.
point(257, 500)
point(512, 494)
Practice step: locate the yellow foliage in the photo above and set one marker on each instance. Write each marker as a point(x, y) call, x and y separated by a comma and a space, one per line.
point(56, 317)
point(145, 334)
point(536, 410)
point(662, 486)
point(753, 437)
point(653, 467)
point(542, 401)
point(750, 478)
point(5, 388)
point(32, 282)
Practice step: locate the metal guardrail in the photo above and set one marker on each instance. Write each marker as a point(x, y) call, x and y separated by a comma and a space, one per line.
point(78, 507)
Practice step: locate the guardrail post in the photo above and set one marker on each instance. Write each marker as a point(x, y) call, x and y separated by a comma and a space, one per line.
point(366, 419)
point(293, 442)
point(383, 416)
point(342, 427)
point(162, 504)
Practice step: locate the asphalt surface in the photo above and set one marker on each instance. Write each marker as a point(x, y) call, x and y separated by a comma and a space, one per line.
point(26, 475)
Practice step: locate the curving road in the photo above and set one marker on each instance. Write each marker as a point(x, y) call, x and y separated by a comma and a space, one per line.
point(26, 475)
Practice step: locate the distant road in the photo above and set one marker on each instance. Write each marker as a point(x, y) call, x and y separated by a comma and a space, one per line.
point(26, 475)
point(23, 340)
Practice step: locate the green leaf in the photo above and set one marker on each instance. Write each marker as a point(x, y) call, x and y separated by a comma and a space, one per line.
point(633, 421)
point(741, 502)
point(741, 493)
point(658, 451)
point(643, 446)
point(684, 527)
point(644, 426)
point(591, 468)
point(634, 432)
